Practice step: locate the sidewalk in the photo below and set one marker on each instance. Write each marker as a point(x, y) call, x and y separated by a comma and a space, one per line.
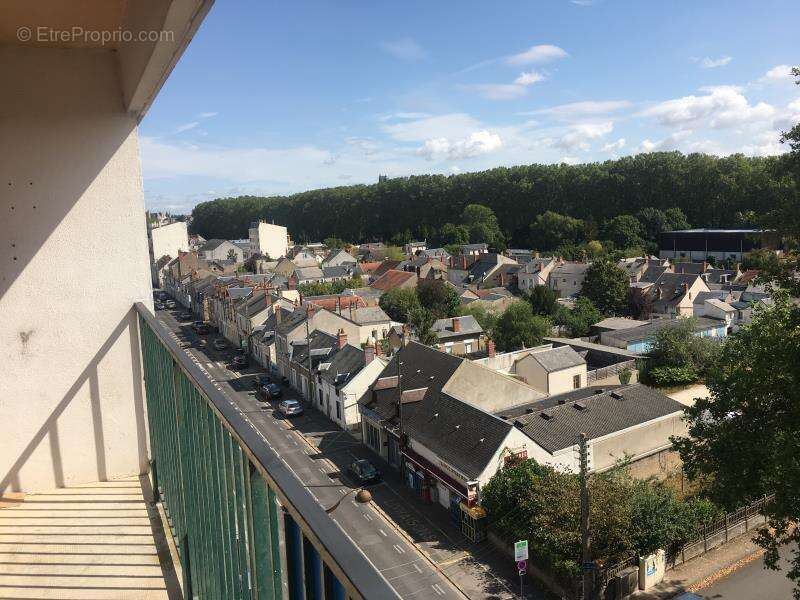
point(704, 570)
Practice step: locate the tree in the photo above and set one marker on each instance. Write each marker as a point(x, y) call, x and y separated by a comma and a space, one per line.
point(231, 254)
point(742, 440)
point(543, 300)
point(251, 263)
point(677, 356)
point(519, 328)
point(578, 320)
point(606, 285)
point(421, 320)
point(551, 230)
point(481, 223)
point(398, 303)
point(334, 243)
point(624, 231)
point(452, 234)
point(676, 219)
point(438, 297)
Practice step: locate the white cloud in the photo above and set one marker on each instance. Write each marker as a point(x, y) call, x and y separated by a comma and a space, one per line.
point(478, 142)
point(570, 160)
point(537, 54)
point(613, 146)
point(778, 74)
point(506, 91)
point(587, 107)
point(723, 106)
point(669, 143)
point(207, 115)
point(765, 144)
point(404, 49)
point(712, 63)
point(450, 126)
point(187, 126)
point(579, 134)
point(399, 116)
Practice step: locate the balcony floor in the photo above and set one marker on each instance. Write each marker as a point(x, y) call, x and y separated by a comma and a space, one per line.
point(90, 541)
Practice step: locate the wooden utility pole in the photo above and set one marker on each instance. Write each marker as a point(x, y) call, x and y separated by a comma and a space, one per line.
point(586, 532)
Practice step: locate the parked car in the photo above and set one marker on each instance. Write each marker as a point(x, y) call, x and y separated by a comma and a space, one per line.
point(201, 328)
point(240, 361)
point(170, 304)
point(185, 316)
point(274, 390)
point(364, 471)
point(290, 408)
point(158, 305)
point(219, 344)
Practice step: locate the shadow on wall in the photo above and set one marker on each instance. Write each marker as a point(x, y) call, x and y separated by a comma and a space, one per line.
point(50, 431)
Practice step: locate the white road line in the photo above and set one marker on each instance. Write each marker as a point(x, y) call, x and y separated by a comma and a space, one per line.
point(439, 591)
point(416, 566)
point(383, 533)
point(322, 470)
point(399, 549)
point(342, 491)
point(368, 516)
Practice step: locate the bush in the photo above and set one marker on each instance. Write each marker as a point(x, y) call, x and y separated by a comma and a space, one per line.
point(625, 376)
point(672, 376)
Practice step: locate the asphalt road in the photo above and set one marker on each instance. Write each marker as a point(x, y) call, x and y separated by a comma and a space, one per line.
point(751, 582)
point(403, 565)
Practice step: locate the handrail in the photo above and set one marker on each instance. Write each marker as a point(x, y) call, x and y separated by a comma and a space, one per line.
point(340, 553)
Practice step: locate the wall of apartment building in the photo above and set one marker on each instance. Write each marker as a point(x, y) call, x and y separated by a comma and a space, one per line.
point(168, 240)
point(74, 260)
point(270, 240)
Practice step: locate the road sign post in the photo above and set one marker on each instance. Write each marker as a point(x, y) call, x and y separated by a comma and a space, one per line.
point(521, 557)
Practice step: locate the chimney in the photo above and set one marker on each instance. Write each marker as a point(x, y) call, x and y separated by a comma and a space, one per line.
point(378, 348)
point(341, 339)
point(406, 336)
point(278, 315)
point(463, 262)
point(490, 348)
point(310, 310)
point(291, 283)
point(456, 325)
point(369, 352)
point(536, 254)
point(685, 287)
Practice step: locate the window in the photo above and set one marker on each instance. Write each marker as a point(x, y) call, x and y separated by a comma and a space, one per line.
point(320, 397)
point(576, 381)
point(468, 347)
point(338, 410)
point(373, 436)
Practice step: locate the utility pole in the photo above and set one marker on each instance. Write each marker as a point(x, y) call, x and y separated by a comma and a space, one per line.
point(586, 533)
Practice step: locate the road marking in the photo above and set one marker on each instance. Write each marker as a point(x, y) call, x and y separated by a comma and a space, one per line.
point(368, 517)
point(416, 566)
point(322, 470)
point(342, 491)
point(383, 533)
point(399, 549)
point(439, 591)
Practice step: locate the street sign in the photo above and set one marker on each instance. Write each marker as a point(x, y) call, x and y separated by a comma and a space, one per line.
point(521, 550)
point(522, 566)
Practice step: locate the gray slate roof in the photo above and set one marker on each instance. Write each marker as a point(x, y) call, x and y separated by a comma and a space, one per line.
point(644, 332)
point(555, 426)
point(444, 327)
point(557, 359)
point(345, 365)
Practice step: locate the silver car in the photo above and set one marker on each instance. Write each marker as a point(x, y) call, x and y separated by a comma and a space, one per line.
point(290, 408)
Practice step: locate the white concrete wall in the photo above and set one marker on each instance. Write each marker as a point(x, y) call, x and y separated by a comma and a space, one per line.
point(563, 381)
point(170, 239)
point(271, 240)
point(74, 260)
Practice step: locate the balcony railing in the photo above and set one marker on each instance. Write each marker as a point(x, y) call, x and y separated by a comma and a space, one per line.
point(244, 524)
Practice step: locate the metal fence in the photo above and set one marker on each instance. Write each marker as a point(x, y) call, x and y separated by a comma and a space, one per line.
point(245, 527)
point(609, 371)
point(730, 526)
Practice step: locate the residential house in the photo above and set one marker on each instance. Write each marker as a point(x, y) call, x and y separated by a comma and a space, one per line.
point(616, 324)
point(473, 249)
point(566, 278)
point(394, 279)
point(520, 255)
point(384, 267)
point(268, 239)
point(504, 276)
point(305, 258)
point(673, 294)
point(535, 271)
point(411, 248)
point(640, 339)
point(366, 270)
point(216, 249)
point(262, 342)
point(550, 370)
point(338, 272)
point(339, 258)
point(345, 378)
point(459, 335)
point(714, 308)
point(482, 268)
point(426, 267)
point(603, 363)
point(439, 254)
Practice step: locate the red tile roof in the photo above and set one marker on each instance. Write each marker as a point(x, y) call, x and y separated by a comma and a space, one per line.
point(330, 303)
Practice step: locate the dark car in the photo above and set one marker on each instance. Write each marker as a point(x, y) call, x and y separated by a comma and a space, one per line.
point(185, 316)
point(159, 305)
point(274, 390)
point(261, 381)
point(364, 472)
point(200, 328)
point(240, 361)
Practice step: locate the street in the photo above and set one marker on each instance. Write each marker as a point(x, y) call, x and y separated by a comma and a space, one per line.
point(404, 543)
point(750, 582)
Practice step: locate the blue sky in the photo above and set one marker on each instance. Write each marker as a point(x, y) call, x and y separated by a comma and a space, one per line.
point(275, 98)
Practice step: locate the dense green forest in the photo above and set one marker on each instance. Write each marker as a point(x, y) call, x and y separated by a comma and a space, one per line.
point(709, 190)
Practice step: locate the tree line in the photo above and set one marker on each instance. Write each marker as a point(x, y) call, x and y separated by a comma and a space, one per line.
point(710, 191)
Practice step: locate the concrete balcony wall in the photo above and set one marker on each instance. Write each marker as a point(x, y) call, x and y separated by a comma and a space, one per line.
point(74, 259)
